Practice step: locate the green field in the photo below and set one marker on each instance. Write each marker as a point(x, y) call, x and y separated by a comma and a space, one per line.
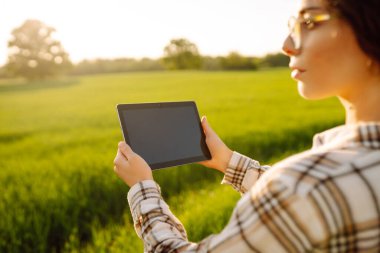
point(58, 139)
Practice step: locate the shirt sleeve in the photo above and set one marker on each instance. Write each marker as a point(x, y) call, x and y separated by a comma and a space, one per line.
point(266, 219)
point(243, 172)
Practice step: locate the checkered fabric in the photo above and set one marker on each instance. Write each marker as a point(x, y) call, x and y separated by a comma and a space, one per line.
point(326, 199)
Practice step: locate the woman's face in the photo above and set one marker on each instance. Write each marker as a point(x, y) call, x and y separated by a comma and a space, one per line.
point(329, 61)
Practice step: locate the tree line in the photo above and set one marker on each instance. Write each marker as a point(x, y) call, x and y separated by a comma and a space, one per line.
point(35, 54)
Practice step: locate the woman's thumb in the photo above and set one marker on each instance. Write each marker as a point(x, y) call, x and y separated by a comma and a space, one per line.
point(125, 149)
point(206, 127)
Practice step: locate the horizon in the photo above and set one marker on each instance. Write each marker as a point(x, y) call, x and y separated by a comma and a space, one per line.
point(129, 29)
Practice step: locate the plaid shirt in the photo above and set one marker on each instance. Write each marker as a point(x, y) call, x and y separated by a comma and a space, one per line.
point(326, 199)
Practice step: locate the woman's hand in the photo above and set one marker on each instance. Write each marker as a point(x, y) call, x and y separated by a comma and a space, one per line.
point(131, 167)
point(220, 153)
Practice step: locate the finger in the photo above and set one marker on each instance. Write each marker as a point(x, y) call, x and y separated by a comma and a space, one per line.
point(116, 161)
point(119, 158)
point(205, 125)
point(125, 149)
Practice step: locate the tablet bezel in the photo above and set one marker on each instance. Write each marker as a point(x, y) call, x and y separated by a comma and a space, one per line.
point(204, 149)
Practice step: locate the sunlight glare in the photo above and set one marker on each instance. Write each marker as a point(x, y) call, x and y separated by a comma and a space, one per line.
point(125, 28)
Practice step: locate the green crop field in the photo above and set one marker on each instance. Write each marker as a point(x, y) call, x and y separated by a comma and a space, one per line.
point(58, 139)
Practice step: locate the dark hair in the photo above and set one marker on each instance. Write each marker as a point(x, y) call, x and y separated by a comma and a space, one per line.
point(363, 17)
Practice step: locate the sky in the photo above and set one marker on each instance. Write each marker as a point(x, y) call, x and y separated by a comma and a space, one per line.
point(90, 29)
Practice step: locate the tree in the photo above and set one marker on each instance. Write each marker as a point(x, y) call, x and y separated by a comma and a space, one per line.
point(34, 54)
point(181, 54)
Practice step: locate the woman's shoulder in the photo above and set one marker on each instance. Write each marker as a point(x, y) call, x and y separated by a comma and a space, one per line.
point(304, 171)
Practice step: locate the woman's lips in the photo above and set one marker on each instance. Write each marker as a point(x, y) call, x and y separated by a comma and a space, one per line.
point(297, 72)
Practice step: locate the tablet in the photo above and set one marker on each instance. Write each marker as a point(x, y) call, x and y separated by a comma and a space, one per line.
point(164, 134)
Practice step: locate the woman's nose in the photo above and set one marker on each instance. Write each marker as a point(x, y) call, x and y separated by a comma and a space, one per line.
point(288, 47)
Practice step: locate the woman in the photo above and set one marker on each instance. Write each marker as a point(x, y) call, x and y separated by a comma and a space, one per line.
point(324, 199)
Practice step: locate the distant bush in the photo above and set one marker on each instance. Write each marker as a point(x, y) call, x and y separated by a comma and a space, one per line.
point(235, 61)
point(274, 60)
point(232, 61)
point(99, 66)
point(211, 63)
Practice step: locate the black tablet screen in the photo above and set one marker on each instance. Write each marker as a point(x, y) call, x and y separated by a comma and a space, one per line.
point(164, 134)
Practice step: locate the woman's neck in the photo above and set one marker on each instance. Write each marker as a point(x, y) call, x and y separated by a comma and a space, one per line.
point(364, 106)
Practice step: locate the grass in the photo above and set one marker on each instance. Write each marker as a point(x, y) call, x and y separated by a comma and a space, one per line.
point(58, 140)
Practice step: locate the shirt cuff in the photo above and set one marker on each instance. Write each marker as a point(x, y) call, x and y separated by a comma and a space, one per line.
point(242, 172)
point(236, 169)
point(147, 189)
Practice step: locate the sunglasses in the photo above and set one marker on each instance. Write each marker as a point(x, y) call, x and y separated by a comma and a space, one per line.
point(304, 22)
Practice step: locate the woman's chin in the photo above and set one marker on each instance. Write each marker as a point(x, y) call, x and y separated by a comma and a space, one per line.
point(307, 92)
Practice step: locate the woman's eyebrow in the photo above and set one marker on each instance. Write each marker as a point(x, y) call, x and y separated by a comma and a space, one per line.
point(311, 8)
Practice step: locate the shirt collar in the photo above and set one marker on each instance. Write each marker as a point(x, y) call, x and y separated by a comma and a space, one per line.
point(362, 134)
